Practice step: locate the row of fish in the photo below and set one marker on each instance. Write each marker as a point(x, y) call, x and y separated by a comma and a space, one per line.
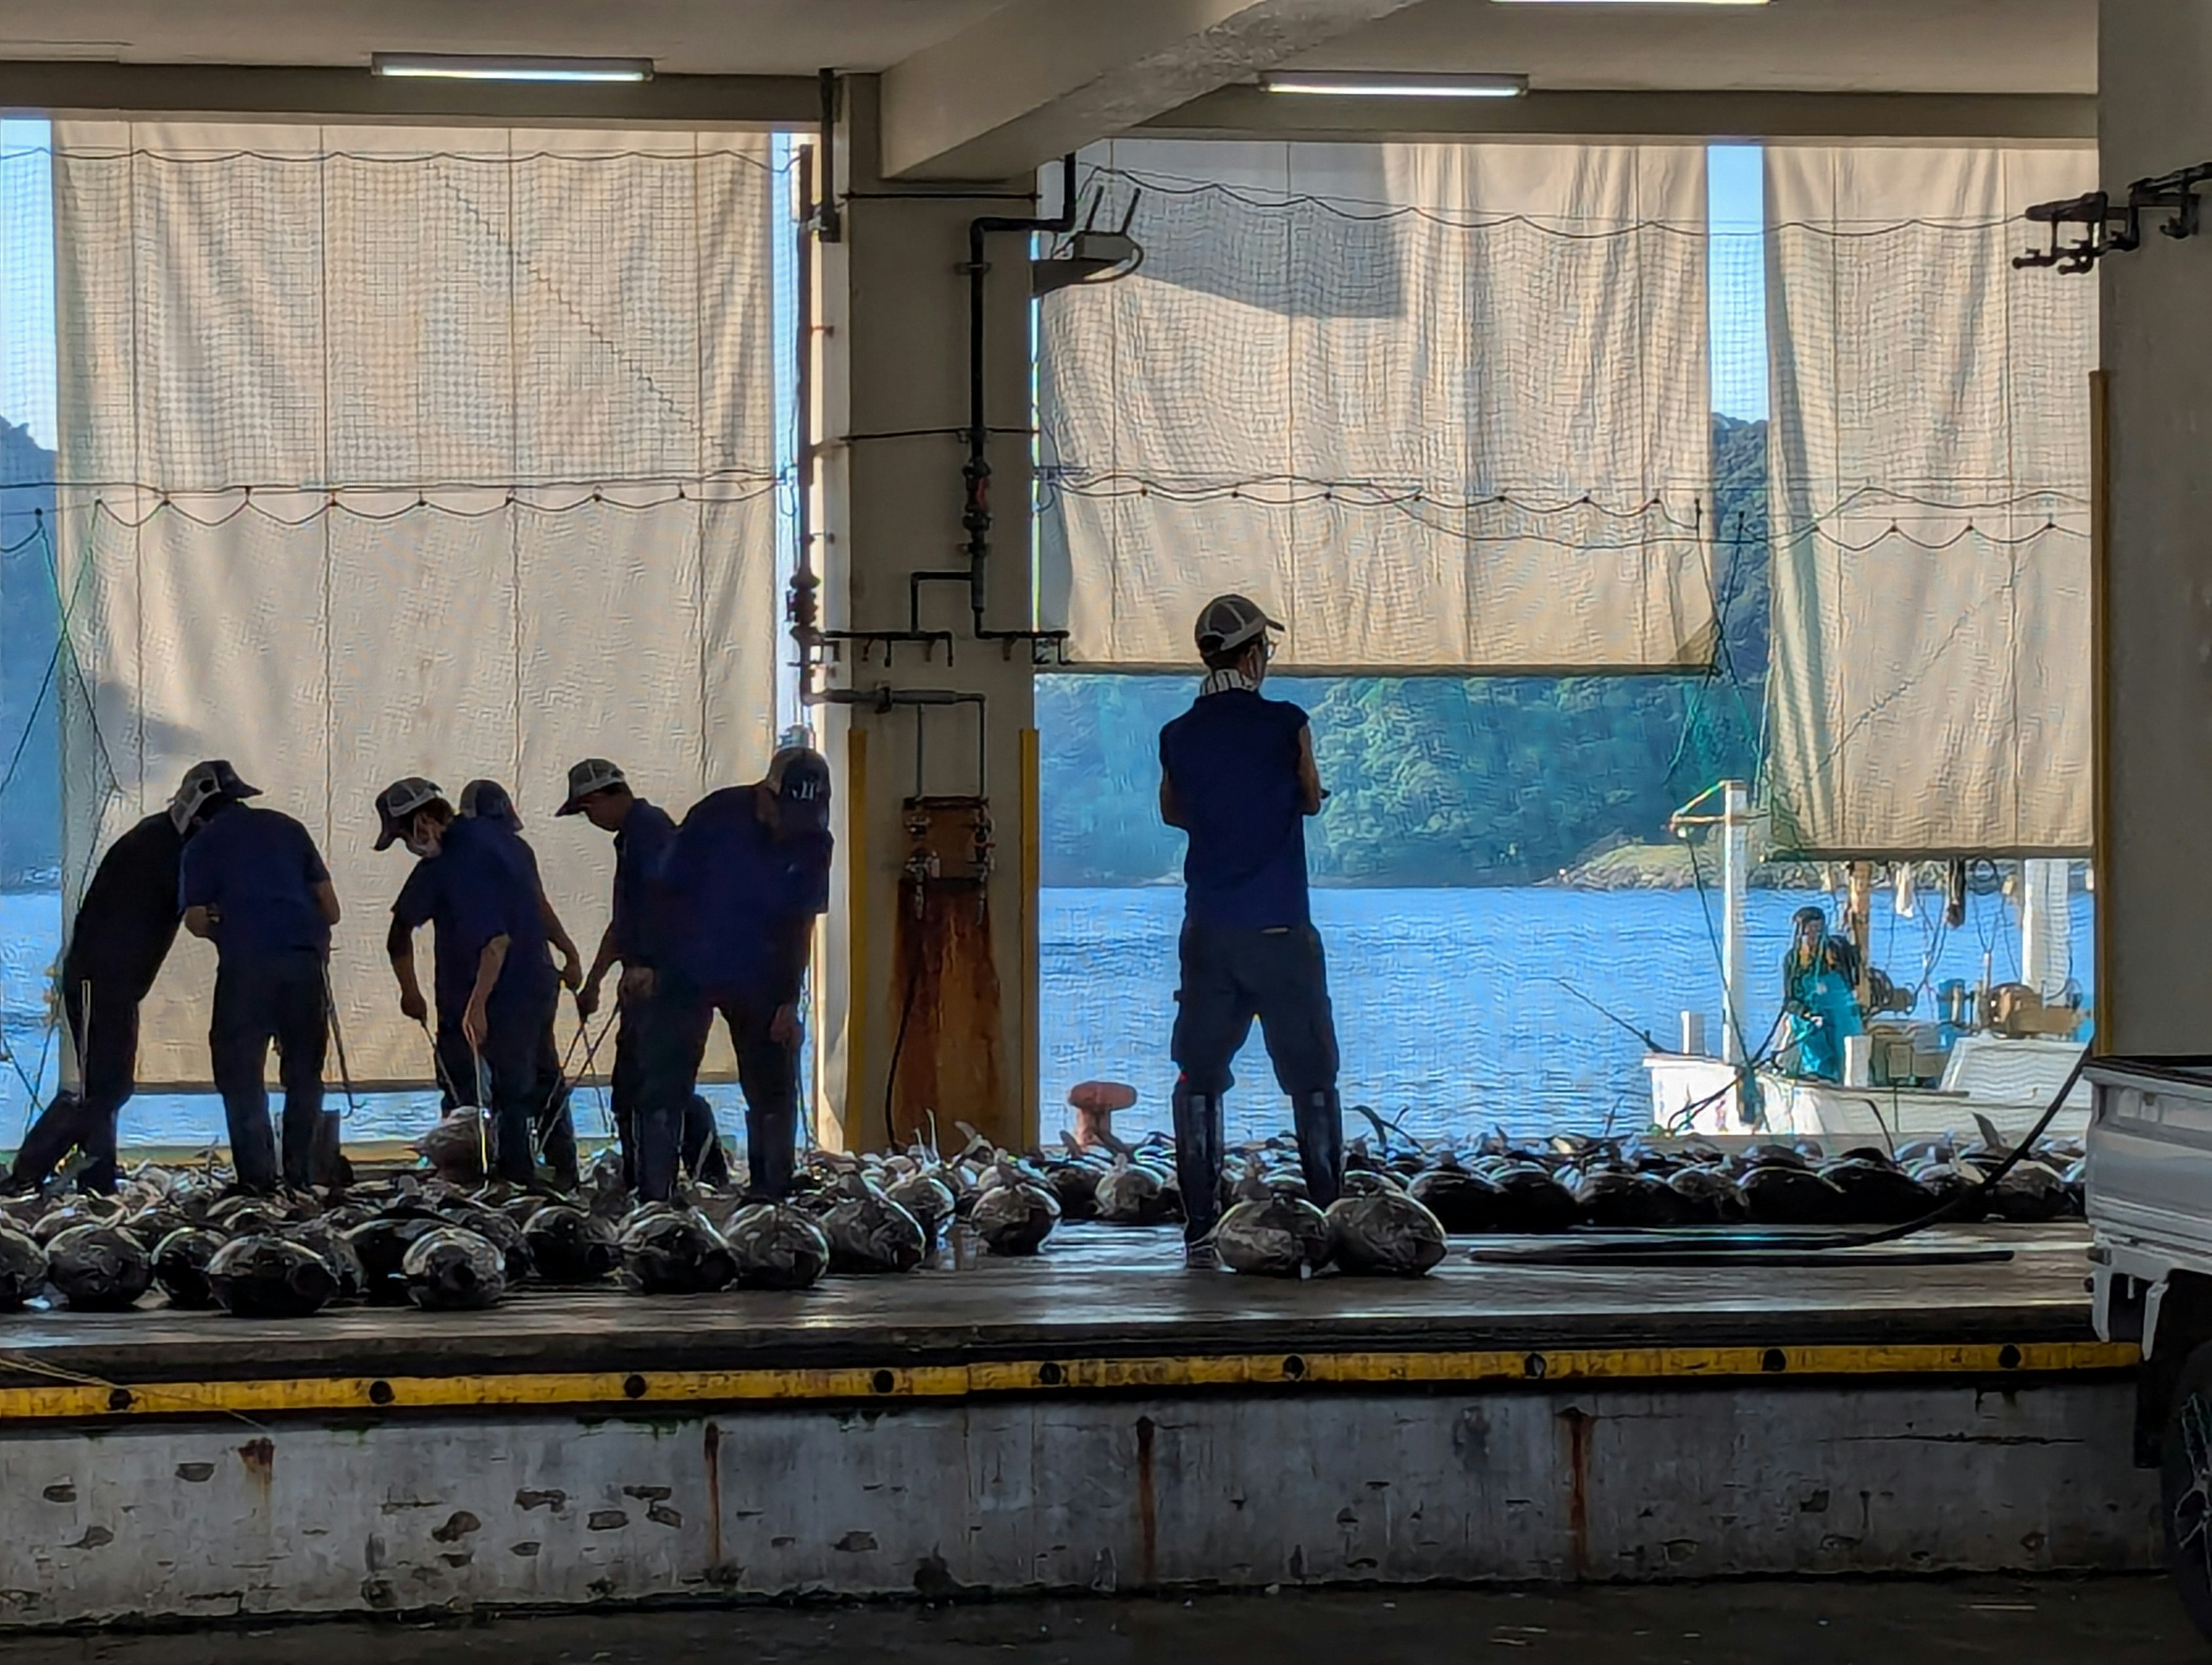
point(440, 1245)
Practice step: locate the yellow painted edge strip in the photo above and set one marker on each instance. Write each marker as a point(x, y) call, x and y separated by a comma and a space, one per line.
point(658, 1389)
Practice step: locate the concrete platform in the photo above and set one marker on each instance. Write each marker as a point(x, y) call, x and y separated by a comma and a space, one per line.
point(1097, 1419)
point(1114, 1294)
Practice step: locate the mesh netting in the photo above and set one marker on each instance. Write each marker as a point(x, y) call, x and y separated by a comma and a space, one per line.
point(1929, 465)
point(391, 451)
point(1436, 406)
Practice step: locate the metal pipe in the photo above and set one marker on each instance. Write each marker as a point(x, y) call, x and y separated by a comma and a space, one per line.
point(883, 698)
point(829, 222)
point(802, 608)
point(975, 473)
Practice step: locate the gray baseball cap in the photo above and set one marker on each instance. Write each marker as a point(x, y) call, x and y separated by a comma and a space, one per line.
point(203, 784)
point(397, 803)
point(487, 800)
point(1229, 622)
point(592, 775)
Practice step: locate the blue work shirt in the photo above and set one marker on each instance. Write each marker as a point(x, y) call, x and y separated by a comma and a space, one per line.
point(730, 894)
point(258, 869)
point(479, 886)
point(641, 848)
point(1232, 763)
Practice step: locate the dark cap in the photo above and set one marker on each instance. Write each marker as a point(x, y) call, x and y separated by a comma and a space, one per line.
point(396, 806)
point(487, 801)
point(592, 775)
point(1229, 622)
point(204, 783)
point(802, 775)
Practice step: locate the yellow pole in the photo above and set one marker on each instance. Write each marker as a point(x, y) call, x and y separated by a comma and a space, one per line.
point(859, 1014)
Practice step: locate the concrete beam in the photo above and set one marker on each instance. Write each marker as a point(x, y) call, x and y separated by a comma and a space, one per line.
point(1033, 81)
point(2154, 648)
point(245, 92)
point(1249, 113)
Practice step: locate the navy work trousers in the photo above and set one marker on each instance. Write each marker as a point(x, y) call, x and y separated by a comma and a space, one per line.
point(259, 999)
point(1230, 977)
point(546, 1093)
point(671, 1116)
point(699, 1145)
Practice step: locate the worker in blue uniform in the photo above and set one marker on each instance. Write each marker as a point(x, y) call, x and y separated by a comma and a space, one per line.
point(600, 792)
point(121, 936)
point(487, 801)
point(1237, 775)
point(1820, 1003)
point(495, 984)
point(252, 881)
point(735, 906)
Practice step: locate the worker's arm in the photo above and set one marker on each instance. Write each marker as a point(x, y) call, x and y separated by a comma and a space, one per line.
point(572, 962)
point(201, 920)
point(326, 898)
point(475, 1022)
point(588, 997)
point(1310, 791)
point(400, 947)
point(1171, 811)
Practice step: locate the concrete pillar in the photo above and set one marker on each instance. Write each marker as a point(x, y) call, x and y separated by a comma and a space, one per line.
point(893, 362)
point(2155, 650)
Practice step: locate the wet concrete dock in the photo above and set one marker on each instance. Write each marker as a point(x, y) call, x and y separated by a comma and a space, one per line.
point(1107, 1293)
point(1097, 1420)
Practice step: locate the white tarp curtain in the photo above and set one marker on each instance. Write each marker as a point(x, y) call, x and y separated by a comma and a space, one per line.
point(1929, 469)
point(1437, 407)
point(506, 404)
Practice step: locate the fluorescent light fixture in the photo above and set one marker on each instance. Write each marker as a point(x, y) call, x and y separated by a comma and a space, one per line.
point(455, 66)
point(1372, 83)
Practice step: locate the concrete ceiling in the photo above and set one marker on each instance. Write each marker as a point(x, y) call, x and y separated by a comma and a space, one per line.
point(1799, 46)
point(1824, 46)
point(985, 90)
point(686, 37)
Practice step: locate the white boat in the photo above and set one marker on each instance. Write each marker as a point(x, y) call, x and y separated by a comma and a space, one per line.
point(2006, 1081)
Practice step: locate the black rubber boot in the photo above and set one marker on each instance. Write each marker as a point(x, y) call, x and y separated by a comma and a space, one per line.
point(1198, 1160)
point(57, 1131)
point(1320, 1120)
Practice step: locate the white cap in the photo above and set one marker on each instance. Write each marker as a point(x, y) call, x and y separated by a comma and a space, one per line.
point(1229, 622)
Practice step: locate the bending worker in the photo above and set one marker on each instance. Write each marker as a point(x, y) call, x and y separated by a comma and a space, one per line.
point(487, 801)
point(252, 881)
point(734, 912)
point(600, 792)
point(495, 986)
point(122, 935)
point(1818, 1003)
point(1237, 776)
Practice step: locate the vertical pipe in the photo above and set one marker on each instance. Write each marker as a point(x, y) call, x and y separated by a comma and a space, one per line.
point(1031, 879)
point(2101, 698)
point(1735, 879)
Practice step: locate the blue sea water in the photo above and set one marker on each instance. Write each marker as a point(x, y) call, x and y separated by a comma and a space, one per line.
point(1453, 1007)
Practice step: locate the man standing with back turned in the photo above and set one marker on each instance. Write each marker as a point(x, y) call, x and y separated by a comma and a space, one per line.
point(1237, 775)
point(252, 881)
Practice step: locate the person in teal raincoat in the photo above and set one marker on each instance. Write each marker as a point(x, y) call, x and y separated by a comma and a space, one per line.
point(1820, 1008)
